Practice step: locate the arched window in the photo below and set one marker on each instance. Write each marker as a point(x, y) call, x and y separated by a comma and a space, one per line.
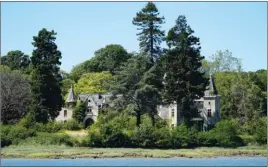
point(65, 113)
point(209, 112)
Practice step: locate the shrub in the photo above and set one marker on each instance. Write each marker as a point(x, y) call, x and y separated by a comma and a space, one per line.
point(163, 137)
point(145, 136)
point(180, 136)
point(261, 131)
point(28, 121)
point(206, 139)
point(80, 142)
point(14, 134)
point(79, 111)
point(113, 136)
point(72, 125)
point(248, 139)
point(5, 141)
point(94, 137)
point(226, 135)
point(44, 138)
point(50, 127)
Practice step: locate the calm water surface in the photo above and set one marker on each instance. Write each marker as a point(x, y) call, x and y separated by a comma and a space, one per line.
point(221, 161)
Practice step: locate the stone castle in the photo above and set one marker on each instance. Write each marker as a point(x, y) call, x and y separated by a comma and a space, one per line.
point(207, 108)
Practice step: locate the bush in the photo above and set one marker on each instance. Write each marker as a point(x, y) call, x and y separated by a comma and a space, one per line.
point(79, 111)
point(5, 141)
point(94, 137)
point(18, 133)
point(80, 142)
point(226, 135)
point(44, 138)
point(248, 139)
point(206, 139)
point(112, 135)
point(163, 137)
point(261, 131)
point(13, 134)
point(28, 121)
point(145, 136)
point(181, 137)
point(50, 127)
point(72, 125)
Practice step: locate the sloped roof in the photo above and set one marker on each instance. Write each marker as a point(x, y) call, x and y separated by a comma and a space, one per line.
point(96, 99)
point(211, 88)
point(71, 96)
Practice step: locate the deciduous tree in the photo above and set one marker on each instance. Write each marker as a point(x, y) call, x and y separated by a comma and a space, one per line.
point(15, 96)
point(16, 60)
point(93, 83)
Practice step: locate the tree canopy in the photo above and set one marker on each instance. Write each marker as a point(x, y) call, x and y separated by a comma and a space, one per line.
point(183, 81)
point(45, 76)
point(15, 95)
point(109, 58)
point(16, 60)
point(150, 36)
point(91, 83)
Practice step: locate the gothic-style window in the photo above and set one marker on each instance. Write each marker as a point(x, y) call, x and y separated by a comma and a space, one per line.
point(65, 113)
point(209, 112)
point(172, 126)
point(209, 102)
point(172, 113)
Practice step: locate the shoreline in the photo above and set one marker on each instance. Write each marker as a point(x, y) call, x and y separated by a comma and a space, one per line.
point(124, 157)
point(57, 152)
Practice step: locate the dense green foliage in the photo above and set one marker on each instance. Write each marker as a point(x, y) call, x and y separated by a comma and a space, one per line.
point(144, 80)
point(109, 59)
point(116, 131)
point(184, 81)
point(131, 82)
point(66, 85)
point(45, 77)
point(16, 60)
point(15, 95)
point(79, 111)
point(14, 134)
point(91, 83)
point(48, 139)
point(151, 36)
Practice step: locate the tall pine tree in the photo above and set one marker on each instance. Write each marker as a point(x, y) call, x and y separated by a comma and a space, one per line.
point(184, 80)
point(151, 36)
point(45, 76)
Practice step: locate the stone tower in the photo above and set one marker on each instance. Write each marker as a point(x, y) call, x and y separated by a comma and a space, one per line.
point(211, 105)
point(71, 98)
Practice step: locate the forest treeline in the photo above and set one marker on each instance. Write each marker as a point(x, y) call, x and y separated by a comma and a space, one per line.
point(33, 90)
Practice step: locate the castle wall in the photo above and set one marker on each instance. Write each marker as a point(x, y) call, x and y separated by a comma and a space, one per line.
point(65, 116)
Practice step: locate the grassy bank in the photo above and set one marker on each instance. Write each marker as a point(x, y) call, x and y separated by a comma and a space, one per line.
point(39, 151)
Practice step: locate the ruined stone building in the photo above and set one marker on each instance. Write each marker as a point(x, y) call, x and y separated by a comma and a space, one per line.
point(207, 108)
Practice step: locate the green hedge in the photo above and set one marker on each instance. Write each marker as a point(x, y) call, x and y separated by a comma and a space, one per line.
point(14, 134)
point(53, 127)
point(44, 138)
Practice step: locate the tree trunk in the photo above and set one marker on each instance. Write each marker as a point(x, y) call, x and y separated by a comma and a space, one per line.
point(153, 120)
point(138, 117)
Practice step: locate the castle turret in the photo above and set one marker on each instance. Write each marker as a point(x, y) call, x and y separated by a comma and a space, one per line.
point(211, 104)
point(211, 88)
point(71, 98)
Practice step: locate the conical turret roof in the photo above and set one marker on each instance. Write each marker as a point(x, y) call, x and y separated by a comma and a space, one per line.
point(71, 96)
point(211, 89)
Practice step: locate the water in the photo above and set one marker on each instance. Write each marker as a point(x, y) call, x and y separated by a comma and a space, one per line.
point(221, 161)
